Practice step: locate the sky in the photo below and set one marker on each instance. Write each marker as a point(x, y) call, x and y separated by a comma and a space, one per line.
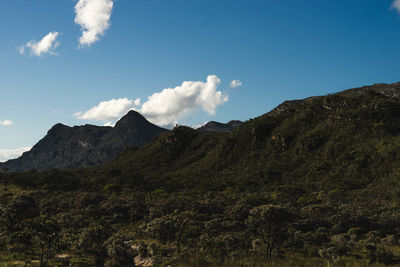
point(82, 62)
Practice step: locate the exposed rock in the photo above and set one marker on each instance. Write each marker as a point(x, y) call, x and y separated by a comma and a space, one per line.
point(67, 147)
point(388, 90)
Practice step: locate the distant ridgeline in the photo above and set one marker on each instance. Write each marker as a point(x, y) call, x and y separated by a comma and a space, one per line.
point(338, 138)
point(214, 126)
point(67, 147)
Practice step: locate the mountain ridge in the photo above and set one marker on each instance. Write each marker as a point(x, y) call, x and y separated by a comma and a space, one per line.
point(66, 147)
point(305, 126)
point(214, 126)
point(98, 144)
point(385, 89)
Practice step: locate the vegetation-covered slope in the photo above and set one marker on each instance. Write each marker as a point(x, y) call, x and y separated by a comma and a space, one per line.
point(316, 178)
point(326, 142)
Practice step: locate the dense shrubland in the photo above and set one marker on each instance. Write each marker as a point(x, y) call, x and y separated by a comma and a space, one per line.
point(310, 182)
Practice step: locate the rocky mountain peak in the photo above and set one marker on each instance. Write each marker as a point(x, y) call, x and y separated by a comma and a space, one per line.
point(133, 119)
point(57, 128)
point(67, 147)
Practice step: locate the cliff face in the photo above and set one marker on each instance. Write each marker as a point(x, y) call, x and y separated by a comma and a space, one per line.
point(67, 147)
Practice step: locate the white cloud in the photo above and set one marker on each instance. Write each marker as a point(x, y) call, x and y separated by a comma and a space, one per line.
point(6, 123)
point(56, 111)
point(109, 124)
point(396, 5)
point(235, 83)
point(171, 104)
point(166, 107)
point(106, 110)
point(137, 102)
point(197, 126)
point(94, 18)
point(6, 154)
point(45, 46)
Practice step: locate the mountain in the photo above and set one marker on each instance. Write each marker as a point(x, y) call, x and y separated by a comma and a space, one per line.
point(310, 182)
point(214, 126)
point(67, 147)
point(340, 141)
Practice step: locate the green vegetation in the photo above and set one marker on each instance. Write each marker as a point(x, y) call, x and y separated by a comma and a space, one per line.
point(313, 183)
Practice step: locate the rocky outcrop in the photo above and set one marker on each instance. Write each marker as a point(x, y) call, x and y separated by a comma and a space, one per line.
point(388, 90)
point(67, 147)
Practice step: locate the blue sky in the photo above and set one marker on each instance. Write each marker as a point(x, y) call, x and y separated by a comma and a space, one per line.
point(279, 50)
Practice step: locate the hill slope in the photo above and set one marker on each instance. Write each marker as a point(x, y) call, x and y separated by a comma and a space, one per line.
point(344, 138)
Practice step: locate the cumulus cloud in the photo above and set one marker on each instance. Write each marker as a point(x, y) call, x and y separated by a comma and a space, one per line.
point(6, 154)
point(137, 102)
point(235, 83)
point(197, 126)
point(171, 104)
point(164, 108)
point(94, 18)
point(396, 5)
point(6, 123)
point(107, 110)
point(45, 46)
point(109, 124)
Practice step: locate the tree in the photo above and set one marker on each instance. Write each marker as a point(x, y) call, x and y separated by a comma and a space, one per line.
point(47, 235)
point(92, 241)
point(270, 223)
point(179, 227)
point(118, 252)
point(21, 208)
point(222, 246)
